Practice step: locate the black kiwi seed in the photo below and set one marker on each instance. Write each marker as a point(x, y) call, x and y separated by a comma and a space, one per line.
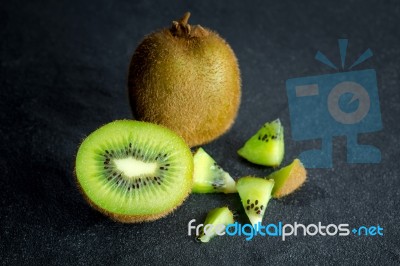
point(256, 208)
point(248, 208)
point(261, 207)
point(248, 201)
point(256, 202)
point(252, 205)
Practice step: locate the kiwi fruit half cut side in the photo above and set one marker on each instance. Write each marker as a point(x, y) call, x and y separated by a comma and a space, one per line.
point(214, 221)
point(134, 171)
point(209, 177)
point(267, 146)
point(255, 194)
point(288, 179)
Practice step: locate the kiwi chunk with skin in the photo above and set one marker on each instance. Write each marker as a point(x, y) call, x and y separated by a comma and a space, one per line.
point(267, 146)
point(134, 171)
point(288, 179)
point(209, 177)
point(255, 193)
point(214, 221)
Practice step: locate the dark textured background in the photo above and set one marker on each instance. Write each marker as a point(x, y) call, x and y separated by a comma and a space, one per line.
point(63, 74)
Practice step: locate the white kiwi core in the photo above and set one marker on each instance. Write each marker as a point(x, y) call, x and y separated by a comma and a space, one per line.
point(132, 167)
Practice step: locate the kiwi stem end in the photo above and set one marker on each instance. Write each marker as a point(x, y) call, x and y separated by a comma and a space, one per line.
point(181, 27)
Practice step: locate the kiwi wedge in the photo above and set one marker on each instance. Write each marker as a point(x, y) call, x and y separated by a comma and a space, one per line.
point(267, 146)
point(209, 177)
point(134, 171)
point(288, 179)
point(214, 221)
point(255, 194)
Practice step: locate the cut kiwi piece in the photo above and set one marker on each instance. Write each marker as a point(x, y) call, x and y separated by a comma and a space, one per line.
point(254, 193)
point(134, 171)
point(216, 218)
point(288, 179)
point(267, 146)
point(209, 177)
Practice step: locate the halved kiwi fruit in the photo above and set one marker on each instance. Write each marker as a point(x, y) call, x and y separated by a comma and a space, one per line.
point(255, 194)
point(288, 179)
point(209, 177)
point(267, 146)
point(134, 171)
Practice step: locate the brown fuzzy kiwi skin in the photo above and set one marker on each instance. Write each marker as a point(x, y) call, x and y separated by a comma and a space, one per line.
point(186, 78)
point(297, 181)
point(123, 218)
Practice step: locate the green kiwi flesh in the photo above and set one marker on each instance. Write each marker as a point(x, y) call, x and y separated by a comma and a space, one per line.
point(288, 179)
point(216, 217)
point(209, 177)
point(134, 171)
point(255, 194)
point(267, 146)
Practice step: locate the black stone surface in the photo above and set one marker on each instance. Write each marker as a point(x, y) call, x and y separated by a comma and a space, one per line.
point(63, 74)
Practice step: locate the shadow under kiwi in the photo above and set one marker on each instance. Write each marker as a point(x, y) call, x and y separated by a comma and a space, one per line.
point(305, 195)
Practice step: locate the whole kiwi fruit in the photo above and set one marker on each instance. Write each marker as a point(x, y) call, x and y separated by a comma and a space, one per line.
point(186, 78)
